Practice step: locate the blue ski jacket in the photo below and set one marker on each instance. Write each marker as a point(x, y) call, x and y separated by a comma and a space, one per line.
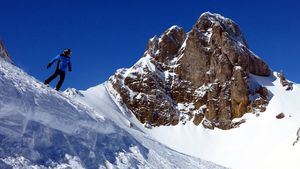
point(62, 62)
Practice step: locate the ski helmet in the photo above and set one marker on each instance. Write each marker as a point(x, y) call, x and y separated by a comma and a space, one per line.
point(67, 50)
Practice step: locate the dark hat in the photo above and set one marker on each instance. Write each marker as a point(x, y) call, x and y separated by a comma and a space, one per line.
point(67, 50)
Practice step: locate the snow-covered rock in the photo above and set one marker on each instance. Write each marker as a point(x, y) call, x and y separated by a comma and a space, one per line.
point(72, 92)
point(4, 53)
point(213, 58)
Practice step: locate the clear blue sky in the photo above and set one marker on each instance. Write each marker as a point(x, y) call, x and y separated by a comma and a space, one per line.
point(106, 34)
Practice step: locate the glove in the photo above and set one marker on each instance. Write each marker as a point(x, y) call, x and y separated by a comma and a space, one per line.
point(49, 65)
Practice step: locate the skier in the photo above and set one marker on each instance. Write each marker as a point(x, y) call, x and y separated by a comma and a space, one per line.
point(63, 61)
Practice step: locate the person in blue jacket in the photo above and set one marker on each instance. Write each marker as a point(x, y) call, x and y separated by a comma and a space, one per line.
point(63, 62)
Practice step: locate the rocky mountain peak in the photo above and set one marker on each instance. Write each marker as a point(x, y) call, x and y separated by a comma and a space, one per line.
point(201, 76)
point(4, 53)
point(208, 22)
point(167, 45)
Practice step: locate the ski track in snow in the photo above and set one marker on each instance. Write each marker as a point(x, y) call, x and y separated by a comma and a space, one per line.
point(42, 128)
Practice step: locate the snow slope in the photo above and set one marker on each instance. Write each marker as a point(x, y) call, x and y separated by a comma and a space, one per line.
point(42, 128)
point(262, 142)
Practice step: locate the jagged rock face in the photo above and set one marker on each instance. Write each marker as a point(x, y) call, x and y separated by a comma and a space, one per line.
point(199, 76)
point(3, 53)
point(284, 82)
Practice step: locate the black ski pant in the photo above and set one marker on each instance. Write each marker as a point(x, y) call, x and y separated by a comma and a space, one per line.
point(61, 74)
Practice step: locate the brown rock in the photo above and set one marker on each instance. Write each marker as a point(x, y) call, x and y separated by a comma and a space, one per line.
point(289, 87)
point(259, 67)
point(164, 49)
point(239, 93)
point(263, 92)
point(237, 124)
point(198, 119)
point(285, 82)
point(280, 116)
